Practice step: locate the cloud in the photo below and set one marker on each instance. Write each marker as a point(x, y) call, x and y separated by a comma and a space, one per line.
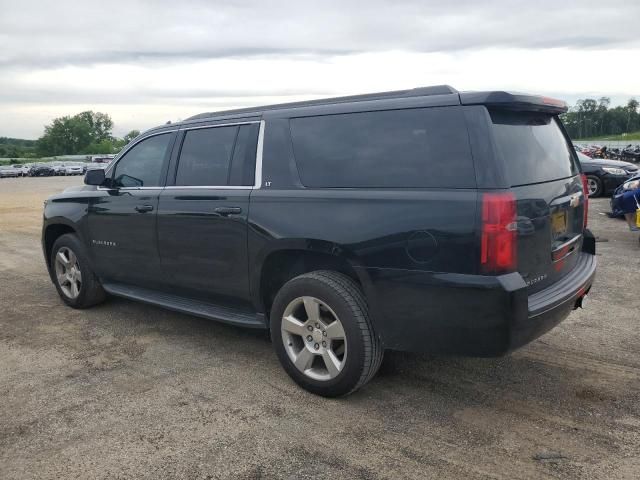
point(36, 33)
point(145, 62)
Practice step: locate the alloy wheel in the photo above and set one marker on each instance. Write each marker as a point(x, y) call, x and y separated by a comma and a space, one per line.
point(314, 338)
point(68, 272)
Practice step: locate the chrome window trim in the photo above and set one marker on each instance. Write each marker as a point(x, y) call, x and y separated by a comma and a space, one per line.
point(259, 150)
point(219, 125)
point(258, 166)
point(257, 172)
point(208, 187)
point(130, 188)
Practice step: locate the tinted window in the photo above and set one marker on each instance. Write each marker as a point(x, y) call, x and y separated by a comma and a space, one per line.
point(532, 147)
point(243, 165)
point(143, 165)
point(424, 147)
point(205, 157)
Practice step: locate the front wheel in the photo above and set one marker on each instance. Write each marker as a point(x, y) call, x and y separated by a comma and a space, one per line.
point(322, 334)
point(76, 283)
point(595, 186)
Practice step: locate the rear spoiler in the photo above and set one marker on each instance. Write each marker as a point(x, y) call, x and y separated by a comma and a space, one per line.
point(514, 101)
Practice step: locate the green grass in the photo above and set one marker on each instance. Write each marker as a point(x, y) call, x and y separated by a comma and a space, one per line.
point(13, 161)
point(633, 136)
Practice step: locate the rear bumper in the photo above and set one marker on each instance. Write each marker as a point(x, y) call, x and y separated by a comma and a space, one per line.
point(549, 307)
point(470, 314)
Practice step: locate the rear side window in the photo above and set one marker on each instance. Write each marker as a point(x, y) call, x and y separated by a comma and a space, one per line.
point(422, 147)
point(532, 147)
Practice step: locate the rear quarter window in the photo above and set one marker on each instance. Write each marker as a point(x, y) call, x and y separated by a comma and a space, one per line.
point(414, 148)
point(532, 147)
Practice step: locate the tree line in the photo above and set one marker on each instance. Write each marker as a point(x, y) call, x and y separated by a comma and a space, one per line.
point(593, 118)
point(17, 147)
point(85, 133)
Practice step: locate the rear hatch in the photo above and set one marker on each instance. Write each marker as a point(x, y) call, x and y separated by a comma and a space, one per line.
point(542, 169)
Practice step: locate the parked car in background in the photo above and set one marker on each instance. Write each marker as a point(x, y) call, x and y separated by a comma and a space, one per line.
point(58, 167)
point(42, 170)
point(102, 159)
point(472, 241)
point(8, 171)
point(604, 176)
point(95, 166)
point(616, 199)
point(22, 168)
point(73, 169)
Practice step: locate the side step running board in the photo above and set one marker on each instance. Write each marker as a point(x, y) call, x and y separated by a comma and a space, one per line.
point(234, 316)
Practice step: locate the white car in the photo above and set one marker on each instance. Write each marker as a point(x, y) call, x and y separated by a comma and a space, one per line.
point(22, 169)
point(73, 169)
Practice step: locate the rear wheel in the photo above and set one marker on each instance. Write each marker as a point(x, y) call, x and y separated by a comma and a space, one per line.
point(322, 334)
point(595, 186)
point(76, 283)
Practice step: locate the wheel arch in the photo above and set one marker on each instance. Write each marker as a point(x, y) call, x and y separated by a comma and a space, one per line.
point(290, 259)
point(51, 233)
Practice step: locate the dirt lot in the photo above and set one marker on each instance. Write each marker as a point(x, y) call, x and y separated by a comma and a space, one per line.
point(130, 391)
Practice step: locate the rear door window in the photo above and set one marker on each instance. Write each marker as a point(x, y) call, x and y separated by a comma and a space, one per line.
point(205, 157)
point(532, 147)
point(218, 156)
point(422, 147)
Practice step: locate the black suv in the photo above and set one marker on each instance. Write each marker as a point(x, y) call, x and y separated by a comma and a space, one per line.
point(419, 220)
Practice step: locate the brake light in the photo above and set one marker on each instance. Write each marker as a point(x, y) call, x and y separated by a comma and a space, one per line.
point(553, 101)
point(585, 192)
point(499, 233)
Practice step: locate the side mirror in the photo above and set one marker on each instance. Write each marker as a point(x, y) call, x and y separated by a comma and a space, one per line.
point(94, 177)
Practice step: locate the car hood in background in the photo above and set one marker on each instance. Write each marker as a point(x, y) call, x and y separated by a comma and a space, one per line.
point(603, 162)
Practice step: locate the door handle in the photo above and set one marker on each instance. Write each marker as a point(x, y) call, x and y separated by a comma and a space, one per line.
point(144, 208)
point(228, 210)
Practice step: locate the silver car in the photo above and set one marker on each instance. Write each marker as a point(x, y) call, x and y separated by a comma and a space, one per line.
point(73, 169)
point(23, 170)
point(6, 172)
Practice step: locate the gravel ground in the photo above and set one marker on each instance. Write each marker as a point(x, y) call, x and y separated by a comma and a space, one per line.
point(126, 390)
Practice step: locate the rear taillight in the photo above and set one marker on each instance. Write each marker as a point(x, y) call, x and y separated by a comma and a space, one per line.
point(585, 192)
point(499, 233)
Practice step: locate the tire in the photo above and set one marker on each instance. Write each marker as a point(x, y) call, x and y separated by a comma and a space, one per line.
point(340, 297)
point(595, 186)
point(90, 292)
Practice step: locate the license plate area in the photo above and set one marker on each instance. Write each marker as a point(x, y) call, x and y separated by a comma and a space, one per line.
point(559, 223)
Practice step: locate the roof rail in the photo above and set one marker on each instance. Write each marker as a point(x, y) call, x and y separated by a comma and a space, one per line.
point(413, 92)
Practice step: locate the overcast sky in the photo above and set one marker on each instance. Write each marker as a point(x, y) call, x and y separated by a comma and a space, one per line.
point(145, 62)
